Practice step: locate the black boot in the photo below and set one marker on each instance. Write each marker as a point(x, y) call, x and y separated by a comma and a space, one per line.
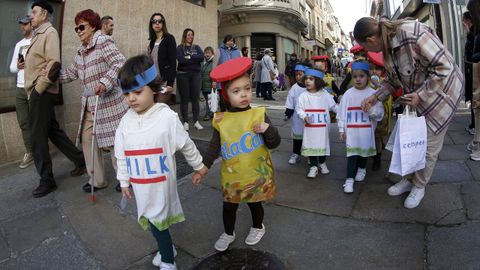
point(43, 190)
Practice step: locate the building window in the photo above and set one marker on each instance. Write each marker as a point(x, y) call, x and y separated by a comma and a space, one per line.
point(197, 2)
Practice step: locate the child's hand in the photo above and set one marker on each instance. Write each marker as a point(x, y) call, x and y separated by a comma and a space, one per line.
point(126, 192)
point(286, 118)
point(198, 175)
point(342, 136)
point(260, 127)
point(307, 120)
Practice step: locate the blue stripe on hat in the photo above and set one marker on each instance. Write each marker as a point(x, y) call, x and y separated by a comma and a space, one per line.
point(300, 68)
point(142, 79)
point(314, 73)
point(361, 66)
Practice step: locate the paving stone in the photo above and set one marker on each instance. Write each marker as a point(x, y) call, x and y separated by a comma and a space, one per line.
point(441, 205)
point(4, 249)
point(183, 261)
point(470, 194)
point(474, 168)
point(451, 171)
point(57, 253)
point(453, 152)
point(285, 132)
point(460, 137)
point(454, 247)
point(30, 230)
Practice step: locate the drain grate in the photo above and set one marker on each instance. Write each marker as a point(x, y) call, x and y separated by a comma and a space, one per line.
point(241, 259)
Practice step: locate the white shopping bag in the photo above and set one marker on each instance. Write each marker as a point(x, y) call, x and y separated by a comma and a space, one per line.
point(409, 144)
point(213, 100)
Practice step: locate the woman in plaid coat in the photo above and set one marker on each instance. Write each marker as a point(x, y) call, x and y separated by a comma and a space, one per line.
point(96, 63)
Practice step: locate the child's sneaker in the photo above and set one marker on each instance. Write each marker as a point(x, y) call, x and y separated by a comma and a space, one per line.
point(168, 266)
point(348, 186)
point(198, 126)
point(313, 172)
point(360, 174)
point(224, 241)
point(323, 168)
point(157, 260)
point(255, 235)
point(186, 126)
point(294, 158)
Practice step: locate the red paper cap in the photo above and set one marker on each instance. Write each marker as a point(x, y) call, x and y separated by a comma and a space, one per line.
point(357, 48)
point(319, 57)
point(231, 69)
point(376, 58)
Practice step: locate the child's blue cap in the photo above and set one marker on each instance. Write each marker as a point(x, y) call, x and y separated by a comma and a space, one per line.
point(142, 79)
point(300, 68)
point(361, 66)
point(314, 73)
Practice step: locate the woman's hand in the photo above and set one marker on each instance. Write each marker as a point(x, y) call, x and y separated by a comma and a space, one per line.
point(100, 89)
point(260, 127)
point(369, 102)
point(342, 136)
point(126, 192)
point(411, 100)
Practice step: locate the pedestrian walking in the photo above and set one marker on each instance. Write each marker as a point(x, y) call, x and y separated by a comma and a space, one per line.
point(297, 124)
point(190, 57)
point(149, 135)
point(243, 135)
point(356, 127)
point(96, 64)
point(257, 74)
point(21, 100)
point(162, 49)
point(268, 75)
point(313, 106)
point(431, 81)
point(43, 57)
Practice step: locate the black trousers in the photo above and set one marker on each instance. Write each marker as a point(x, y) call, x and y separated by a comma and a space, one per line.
point(230, 215)
point(353, 163)
point(297, 146)
point(267, 89)
point(188, 85)
point(44, 126)
point(315, 160)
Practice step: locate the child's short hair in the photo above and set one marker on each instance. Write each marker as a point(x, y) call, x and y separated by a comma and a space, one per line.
point(208, 49)
point(319, 83)
point(135, 66)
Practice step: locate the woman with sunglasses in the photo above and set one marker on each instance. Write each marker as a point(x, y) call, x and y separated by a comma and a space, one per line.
point(96, 63)
point(162, 49)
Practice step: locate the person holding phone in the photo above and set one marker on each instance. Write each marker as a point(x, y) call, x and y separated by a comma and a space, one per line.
point(21, 101)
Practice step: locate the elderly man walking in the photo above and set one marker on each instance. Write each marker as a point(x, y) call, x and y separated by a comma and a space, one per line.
point(44, 54)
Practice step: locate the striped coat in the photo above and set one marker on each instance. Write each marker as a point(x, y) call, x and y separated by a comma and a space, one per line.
point(99, 62)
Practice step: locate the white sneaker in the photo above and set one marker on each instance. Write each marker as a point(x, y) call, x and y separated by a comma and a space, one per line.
point(323, 168)
point(399, 188)
point(471, 131)
point(255, 235)
point(224, 241)
point(360, 174)
point(198, 126)
point(294, 158)
point(414, 198)
point(186, 126)
point(473, 146)
point(348, 186)
point(26, 161)
point(475, 155)
point(168, 266)
point(157, 260)
point(313, 172)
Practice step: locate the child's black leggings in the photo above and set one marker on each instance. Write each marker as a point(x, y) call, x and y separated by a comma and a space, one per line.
point(164, 242)
point(230, 215)
point(297, 146)
point(314, 160)
point(354, 162)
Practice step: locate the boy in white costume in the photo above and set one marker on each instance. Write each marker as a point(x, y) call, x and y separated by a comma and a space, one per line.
point(313, 106)
point(297, 123)
point(146, 140)
point(357, 127)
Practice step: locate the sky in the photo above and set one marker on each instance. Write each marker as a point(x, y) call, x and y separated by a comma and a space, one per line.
point(348, 12)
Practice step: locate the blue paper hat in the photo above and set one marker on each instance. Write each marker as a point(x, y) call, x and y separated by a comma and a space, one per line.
point(300, 68)
point(361, 66)
point(142, 79)
point(314, 73)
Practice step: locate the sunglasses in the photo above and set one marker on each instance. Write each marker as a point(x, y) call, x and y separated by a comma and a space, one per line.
point(156, 21)
point(81, 27)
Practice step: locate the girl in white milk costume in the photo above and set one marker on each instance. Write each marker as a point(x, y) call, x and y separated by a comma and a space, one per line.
point(146, 140)
point(356, 126)
point(314, 106)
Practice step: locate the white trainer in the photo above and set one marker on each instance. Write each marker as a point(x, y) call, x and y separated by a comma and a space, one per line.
point(198, 126)
point(168, 266)
point(399, 188)
point(294, 158)
point(224, 241)
point(323, 168)
point(255, 235)
point(414, 198)
point(26, 161)
point(186, 126)
point(360, 174)
point(473, 146)
point(313, 172)
point(348, 186)
point(157, 260)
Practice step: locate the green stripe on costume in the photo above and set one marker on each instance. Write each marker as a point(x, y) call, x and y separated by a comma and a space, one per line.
point(161, 225)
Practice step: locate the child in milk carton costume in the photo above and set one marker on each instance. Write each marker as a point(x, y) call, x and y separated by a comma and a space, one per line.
point(146, 140)
point(357, 127)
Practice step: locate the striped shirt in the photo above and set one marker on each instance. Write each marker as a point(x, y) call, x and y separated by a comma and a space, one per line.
point(421, 64)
